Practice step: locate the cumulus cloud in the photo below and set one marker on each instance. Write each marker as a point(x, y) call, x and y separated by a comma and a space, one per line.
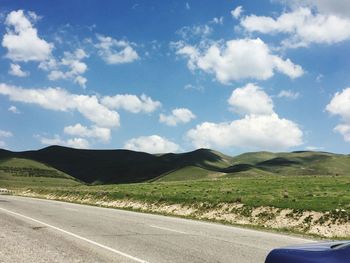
point(237, 59)
point(259, 129)
point(343, 129)
point(73, 64)
point(340, 105)
point(21, 38)
point(61, 100)
point(151, 144)
point(114, 51)
point(131, 103)
point(13, 109)
point(236, 13)
point(303, 26)
point(5, 134)
point(338, 7)
point(79, 143)
point(268, 132)
point(179, 115)
point(289, 94)
point(103, 134)
point(250, 99)
point(15, 70)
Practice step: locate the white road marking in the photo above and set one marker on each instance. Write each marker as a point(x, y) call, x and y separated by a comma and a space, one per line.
point(76, 236)
point(169, 229)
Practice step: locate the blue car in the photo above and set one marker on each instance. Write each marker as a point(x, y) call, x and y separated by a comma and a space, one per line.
point(322, 252)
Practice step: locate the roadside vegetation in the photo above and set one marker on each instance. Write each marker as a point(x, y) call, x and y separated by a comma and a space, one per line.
point(317, 193)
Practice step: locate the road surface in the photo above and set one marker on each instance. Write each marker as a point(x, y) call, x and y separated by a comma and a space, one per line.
point(34, 230)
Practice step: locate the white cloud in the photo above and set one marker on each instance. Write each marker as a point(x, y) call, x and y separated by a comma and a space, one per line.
point(250, 99)
point(260, 128)
point(114, 51)
point(179, 115)
point(340, 105)
point(21, 38)
point(61, 100)
point(264, 132)
point(218, 20)
point(13, 109)
point(131, 103)
point(188, 32)
point(71, 61)
point(151, 144)
point(303, 26)
point(78, 143)
point(343, 129)
point(236, 13)
point(187, 6)
point(81, 81)
point(5, 134)
point(15, 70)
point(201, 31)
point(289, 94)
point(338, 7)
point(103, 134)
point(238, 59)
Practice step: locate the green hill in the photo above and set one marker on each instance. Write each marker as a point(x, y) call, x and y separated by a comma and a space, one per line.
point(189, 173)
point(25, 172)
point(119, 166)
point(30, 168)
point(124, 166)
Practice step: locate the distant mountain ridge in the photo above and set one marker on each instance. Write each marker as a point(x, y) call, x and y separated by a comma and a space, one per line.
point(124, 166)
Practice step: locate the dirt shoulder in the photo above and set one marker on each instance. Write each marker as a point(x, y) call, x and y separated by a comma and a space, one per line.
point(332, 224)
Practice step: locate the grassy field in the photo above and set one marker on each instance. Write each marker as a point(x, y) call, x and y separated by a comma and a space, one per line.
point(318, 193)
point(253, 187)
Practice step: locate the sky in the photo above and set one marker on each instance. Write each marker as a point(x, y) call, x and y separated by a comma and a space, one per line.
point(173, 76)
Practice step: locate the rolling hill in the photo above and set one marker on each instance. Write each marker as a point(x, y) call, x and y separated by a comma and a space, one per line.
point(124, 166)
point(25, 172)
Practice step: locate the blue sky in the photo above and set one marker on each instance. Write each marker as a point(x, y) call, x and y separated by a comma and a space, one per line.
point(173, 76)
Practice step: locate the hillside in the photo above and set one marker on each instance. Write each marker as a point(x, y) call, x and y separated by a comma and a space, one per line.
point(118, 166)
point(17, 172)
point(124, 166)
point(29, 168)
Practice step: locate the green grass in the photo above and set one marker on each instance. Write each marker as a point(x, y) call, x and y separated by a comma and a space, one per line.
point(272, 179)
point(18, 173)
point(19, 167)
point(318, 193)
point(189, 173)
point(15, 183)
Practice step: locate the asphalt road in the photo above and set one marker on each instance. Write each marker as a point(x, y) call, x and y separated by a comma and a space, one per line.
point(34, 230)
